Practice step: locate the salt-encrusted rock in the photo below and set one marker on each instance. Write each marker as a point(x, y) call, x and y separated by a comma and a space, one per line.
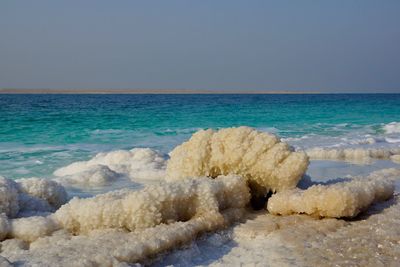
point(260, 158)
point(154, 205)
point(343, 199)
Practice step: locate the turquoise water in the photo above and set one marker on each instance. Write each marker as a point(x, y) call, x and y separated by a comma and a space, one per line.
point(39, 133)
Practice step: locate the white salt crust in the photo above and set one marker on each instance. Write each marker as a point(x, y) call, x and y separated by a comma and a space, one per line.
point(265, 162)
point(343, 199)
point(104, 168)
point(45, 189)
point(357, 155)
point(128, 226)
point(154, 205)
point(29, 196)
point(299, 240)
point(124, 226)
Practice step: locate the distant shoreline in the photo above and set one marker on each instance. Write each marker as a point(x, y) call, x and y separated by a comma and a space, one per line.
point(145, 91)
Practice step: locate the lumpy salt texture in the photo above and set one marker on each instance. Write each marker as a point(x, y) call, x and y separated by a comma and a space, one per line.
point(154, 205)
point(260, 158)
point(343, 199)
point(48, 190)
point(104, 168)
point(126, 226)
point(29, 196)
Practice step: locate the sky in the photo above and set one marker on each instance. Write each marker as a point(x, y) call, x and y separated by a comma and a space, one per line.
point(324, 46)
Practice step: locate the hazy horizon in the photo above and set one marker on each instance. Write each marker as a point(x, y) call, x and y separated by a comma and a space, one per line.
point(326, 47)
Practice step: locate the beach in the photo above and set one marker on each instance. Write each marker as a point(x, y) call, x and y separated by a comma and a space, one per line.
point(101, 179)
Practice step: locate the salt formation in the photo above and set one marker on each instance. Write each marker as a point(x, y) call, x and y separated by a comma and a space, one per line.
point(30, 195)
point(104, 168)
point(47, 190)
point(154, 205)
point(128, 226)
point(344, 199)
point(96, 175)
point(359, 155)
point(31, 228)
point(265, 162)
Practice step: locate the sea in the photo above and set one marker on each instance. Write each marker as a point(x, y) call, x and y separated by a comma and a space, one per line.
point(40, 133)
point(91, 142)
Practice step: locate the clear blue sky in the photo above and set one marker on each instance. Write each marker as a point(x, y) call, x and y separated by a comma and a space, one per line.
point(333, 46)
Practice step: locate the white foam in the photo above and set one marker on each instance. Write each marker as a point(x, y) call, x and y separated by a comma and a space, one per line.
point(260, 158)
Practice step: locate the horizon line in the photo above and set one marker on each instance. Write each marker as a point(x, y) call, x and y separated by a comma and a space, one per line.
point(167, 91)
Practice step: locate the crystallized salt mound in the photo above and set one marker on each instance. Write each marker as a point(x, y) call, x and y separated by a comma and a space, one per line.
point(48, 190)
point(265, 162)
point(154, 205)
point(359, 155)
point(138, 163)
point(344, 199)
point(96, 175)
point(29, 196)
point(8, 197)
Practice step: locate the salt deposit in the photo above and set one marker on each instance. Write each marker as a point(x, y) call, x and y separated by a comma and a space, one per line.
point(44, 189)
point(128, 226)
point(104, 168)
point(265, 162)
point(90, 176)
point(299, 240)
point(343, 199)
point(357, 155)
point(31, 228)
point(154, 205)
point(28, 196)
